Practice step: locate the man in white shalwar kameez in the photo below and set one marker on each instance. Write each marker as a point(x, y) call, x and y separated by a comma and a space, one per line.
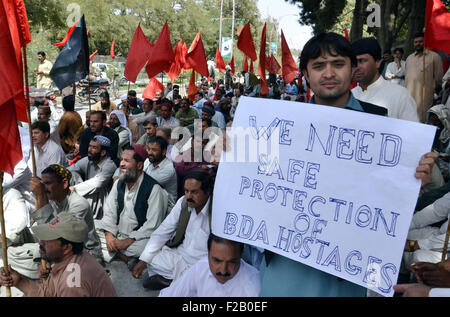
point(133, 210)
point(188, 243)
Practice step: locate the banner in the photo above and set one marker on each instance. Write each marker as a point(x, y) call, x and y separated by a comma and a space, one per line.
point(273, 48)
point(227, 47)
point(328, 187)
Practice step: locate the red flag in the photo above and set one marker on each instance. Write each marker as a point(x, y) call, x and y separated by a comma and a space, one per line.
point(10, 89)
point(92, 55)
point(192, 89)
point(346, 34)
point(273, 65)
point(162, 54)
point(232, 65)
point(220, 64)
point(68, 34)
point(19, 30)
point(177, 65)
point(151, 88)
point(245, 64)
point(138, 54)
point(196, 57)
point(437, 26)
point(112, 48)
point(251, 66)
point(185, 63)
point(289, 69)
point(262, 63)
point(245, 42)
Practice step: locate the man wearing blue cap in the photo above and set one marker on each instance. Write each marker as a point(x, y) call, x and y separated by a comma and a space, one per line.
point(92, 175)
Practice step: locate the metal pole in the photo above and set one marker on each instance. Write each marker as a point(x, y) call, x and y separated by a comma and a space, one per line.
point(3, 241)
point(232, 30)
point(220, 27)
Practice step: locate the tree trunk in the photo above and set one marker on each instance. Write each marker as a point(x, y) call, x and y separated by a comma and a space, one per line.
point(384, 33)
point(359, 15)
point(416, 23)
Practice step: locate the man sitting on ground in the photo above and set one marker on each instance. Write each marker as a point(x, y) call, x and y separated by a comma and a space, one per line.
point(222, 274)
point(134, 208)
point(46, 150)
point(92, 175)
point(181, 240)
point(74, 273)
point(160, 167)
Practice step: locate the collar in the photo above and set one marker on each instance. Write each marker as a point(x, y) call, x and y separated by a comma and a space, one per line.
point(44, 148)
point(205, 208)
point(425, 50)
point(352, 103)
point(375, 85)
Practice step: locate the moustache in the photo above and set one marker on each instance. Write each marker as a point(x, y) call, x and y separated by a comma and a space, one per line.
point(190, 200)
point(42, 248)
point(223, 274)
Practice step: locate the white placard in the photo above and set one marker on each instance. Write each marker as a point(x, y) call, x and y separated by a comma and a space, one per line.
point(329, 187)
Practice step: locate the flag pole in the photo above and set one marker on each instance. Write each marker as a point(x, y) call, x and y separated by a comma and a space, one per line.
point(3, 240)
point(423, 88)
point(89, 92)
point(444, 251)
point(33, 157)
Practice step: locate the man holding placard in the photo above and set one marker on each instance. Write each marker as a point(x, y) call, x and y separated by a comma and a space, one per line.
point(343, 241)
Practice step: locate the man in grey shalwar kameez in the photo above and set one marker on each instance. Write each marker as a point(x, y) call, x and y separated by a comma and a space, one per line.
point(92, 175)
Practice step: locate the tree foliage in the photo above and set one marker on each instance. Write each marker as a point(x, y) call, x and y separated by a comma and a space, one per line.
point(322, 15)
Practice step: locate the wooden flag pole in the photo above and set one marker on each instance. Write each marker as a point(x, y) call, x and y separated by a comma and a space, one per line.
point(89, 92)
point(423, 89)
point(3, 235)
point(444, 251)
point(128, 90)
point(33, 157)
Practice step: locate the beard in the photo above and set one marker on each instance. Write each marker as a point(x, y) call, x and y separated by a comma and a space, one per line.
point(130, 176)
point(95, 157)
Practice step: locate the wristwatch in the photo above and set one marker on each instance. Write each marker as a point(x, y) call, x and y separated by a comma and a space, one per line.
point(412, 244)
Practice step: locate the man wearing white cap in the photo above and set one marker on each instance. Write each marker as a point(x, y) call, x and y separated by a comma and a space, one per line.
point(118, 122)
point(92, 175)
point(74, 273)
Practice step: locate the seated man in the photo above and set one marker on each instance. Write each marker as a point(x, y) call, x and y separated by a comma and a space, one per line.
point(181, 240)
point(46, 150)
point(74, 273)
point(435, 276)
point(150, 126)
point(186, 115)
point(160, 167)
point(166, 119)
point(16, 218)
point(45, 114)
point(133, 210)
point(224, 265)
point(53, 196)
point(118, 122)
point(140, 118)
point(425, 242)
point(92, 175)
point(98, 127)
point(105, 104)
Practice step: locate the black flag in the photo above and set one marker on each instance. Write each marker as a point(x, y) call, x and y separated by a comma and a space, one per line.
point(72, 63)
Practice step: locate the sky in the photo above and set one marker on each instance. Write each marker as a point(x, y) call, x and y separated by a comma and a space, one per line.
point(287, 14)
